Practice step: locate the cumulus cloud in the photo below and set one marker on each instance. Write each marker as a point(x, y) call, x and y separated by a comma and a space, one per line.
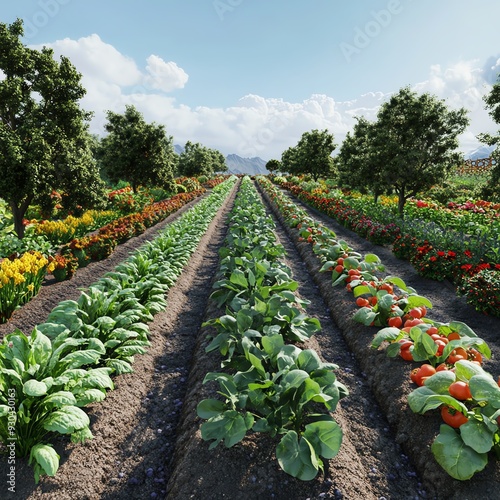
point(166, 76)
point(96, 59)
point(255, 125)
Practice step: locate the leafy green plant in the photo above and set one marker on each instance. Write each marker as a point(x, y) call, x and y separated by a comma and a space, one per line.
point(464, 451)
point(279, 394)
point(42, 390)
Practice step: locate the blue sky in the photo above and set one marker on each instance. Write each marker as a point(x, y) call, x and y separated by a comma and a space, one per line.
point(250, 76)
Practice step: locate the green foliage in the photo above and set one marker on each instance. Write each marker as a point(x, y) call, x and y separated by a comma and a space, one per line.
point(492, 100)
point(311, 155)
point(273, 166)
point(137, 152)
point(276, 387)
point(482, 291)
point(44, 143)
point(198, 160)
point(411, 146)
point(42, 389)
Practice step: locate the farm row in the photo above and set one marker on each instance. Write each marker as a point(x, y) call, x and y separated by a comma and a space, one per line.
point(257, 468)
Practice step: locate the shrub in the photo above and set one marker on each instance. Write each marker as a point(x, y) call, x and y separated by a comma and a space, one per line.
point(482, 291)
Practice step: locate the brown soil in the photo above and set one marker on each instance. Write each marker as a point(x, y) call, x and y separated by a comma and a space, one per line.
point(146, 434)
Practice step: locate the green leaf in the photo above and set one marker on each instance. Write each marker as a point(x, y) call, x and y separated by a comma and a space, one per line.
point(325, 436)
point(484, 388)
point(455, 457)
point(66, 420)
point(389, 334)
point(476, 434)
point(46, 459)
point(89, 396)
point(59, 399)
point(34, 388)
point(365, 316)
point(440, 381)
point(395, 280)
point(229, 427)
point(209, 408)
point(238, 278)
point(295, 457)
point(309, 360)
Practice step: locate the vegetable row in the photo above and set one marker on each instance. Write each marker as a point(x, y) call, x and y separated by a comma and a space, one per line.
point(451, 353)
point(268, 383)
point(67, 362)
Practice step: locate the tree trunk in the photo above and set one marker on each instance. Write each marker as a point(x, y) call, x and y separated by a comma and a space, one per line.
point(18, 212)
point(401, 203)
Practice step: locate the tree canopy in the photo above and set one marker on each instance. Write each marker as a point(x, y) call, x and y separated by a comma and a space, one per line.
point(312, 155)
point(357, 160)
point(273, 166)
point(492, 101)
point(410, 147)
point(137, 152)
point(198, 160)
point(44, 140)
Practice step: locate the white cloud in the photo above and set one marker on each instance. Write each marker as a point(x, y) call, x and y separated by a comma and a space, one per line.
point(166, 76)
point(255, 125)
point(98, 60)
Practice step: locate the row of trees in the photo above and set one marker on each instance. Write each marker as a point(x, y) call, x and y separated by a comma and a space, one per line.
point(45, 143)
point(410, 147)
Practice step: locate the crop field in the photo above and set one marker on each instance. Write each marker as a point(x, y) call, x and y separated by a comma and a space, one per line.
point(251, 345)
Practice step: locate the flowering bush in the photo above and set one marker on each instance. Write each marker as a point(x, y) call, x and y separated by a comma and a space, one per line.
point(432, 263)
point(20, 280)
point(63, 266)
point(482, 291)
point(99, 246)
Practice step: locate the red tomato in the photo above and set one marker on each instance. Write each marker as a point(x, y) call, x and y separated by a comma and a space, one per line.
point(456, 355)
point(413, 322)
point(420, 375)
point(404, 351)
point(387, 287)
point(454, 336)
point(453, 417)
point(431, 330)
point(441, 367)
point(460, 390)
point(473, 355)
point(395, 321)
point(415, 313)
point(362, 302)
point(339, 268)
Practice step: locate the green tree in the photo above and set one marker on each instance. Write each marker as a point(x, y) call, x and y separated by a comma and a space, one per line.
point(44, 140)
point(198, 160)
point(273, 166)
point(415, 141)
point(137, 152)
point(358, 162)
point(289, 161)
point(492, 101)
point(313, 154)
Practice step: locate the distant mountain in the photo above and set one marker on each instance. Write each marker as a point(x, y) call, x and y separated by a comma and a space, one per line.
point(480, 153)
point(251, 166)
point(238, 165)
